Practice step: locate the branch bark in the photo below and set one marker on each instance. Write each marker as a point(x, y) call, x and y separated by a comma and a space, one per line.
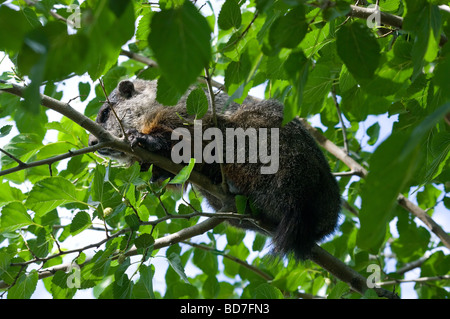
point(386, 18)
point(346, 274)
point(54, 159)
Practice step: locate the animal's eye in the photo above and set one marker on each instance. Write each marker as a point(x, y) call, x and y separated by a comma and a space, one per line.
point(103, 114)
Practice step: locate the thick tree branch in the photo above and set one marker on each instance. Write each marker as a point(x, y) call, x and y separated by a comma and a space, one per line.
point(340, 154)
point(344, 273)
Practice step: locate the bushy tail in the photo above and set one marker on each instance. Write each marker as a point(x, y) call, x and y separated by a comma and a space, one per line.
point(294, 234)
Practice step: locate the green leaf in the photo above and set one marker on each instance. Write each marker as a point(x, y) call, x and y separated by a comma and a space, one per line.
point(295, 279)
point(297, 68)
point(241, 203)
point(175, 262)
point(144, 241)
point(184, 173)
point(80, 222)
point(394, 73)
point(180, 39)
point(424, 20)
point(50, 49)
point(339, 290)
point(230, 15)
point(259, 242)
point(143, 289)
point(206, 261)
point(84, 89)
point(9, 194)
point(441, 73)
point(289, 30)
point(234, 236)
point(5, 130)
point(59, 287)
point(211, 288)
point(5, 260)
point(237, 71)
point(373, 131)
point(267, 291)
point(166, 93)
point(124, 289)
point(197, 103)
point(106, 31)
point(317, 87)
point(118, 6)
point(12, 20)
point(25, 286)
point(412, 241)
point(143, 30)
point(97, 268)
point(14, 216)
point(50, 193)
point(358, 49)
point(22, 146)
point(183, 290)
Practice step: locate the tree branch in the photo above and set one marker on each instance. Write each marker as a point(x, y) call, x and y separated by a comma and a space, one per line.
point(425, 218)
point(386, 18)
point(168, 240)
point(417, 280)
point(244, 264)
point(344, 273)
point(354, 166)
point(341, 120)
point(57, 158)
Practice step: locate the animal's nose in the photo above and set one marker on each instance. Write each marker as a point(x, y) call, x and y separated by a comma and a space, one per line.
point(92, 140)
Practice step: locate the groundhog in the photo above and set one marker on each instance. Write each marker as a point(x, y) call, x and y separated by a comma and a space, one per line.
point(298, 202)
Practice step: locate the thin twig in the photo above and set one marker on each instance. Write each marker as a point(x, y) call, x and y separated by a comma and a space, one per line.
point(112, 109)
point(242, 35)
point(339, 113)
point(212, 100)
point(241, 262)
point(417, 280)
point(350, 173)
point(13, 157)
point(51, 160)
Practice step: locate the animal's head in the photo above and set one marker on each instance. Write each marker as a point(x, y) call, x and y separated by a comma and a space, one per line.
point(125, 109)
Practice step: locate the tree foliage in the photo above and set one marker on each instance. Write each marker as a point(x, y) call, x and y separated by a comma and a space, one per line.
point(89, 223)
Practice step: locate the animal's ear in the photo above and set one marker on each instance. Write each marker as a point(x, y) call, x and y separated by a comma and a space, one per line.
point(126, 89)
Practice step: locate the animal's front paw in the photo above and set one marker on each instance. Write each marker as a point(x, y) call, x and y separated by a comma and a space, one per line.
point(148, 142)
point(135, 138)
